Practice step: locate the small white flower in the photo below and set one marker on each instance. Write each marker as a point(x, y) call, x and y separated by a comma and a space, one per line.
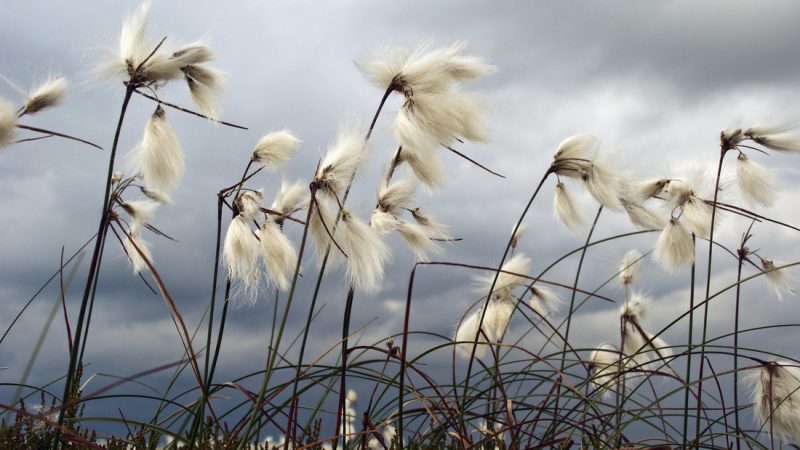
point(342, 161)
point(158, 157)
point(779, 279)
point(630, 267)
point(776, 397)
point(755, 182)
point(564, 207)
point(46, 95)
point(241, 253)
point(8, 123)
point(675, 247)
point(366, 253)
point(278, 254)
point(274, 149)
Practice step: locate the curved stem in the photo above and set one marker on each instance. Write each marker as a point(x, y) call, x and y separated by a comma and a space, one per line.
point(94, 266)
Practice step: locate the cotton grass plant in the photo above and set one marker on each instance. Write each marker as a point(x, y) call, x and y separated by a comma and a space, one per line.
point(515, 376)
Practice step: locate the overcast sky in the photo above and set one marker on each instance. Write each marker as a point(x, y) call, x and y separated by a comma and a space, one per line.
point(655, 81)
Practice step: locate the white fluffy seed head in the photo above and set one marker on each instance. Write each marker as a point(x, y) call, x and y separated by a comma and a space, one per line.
point(321, 224)
point(776, 396)
point(155, 195)
point(578, 148)
point(278, 254)
point(498, 315)
point(141, 212)
point(427, 167)
point(274, 149)
point(396, 195)
point(366, 253)
point(678, 192)
point(675, 248)
point(249, 204)
point(138, 250)
point(651, 188)
point(465, 335)
point(517, 233)
point(604, 366)
point(603, 184)
point(518, 264)
point(418, 239)
point(291, 197)
point(755, 183)
point(131, 38)
point(697, 216)
point(635, 307)
point(383, 222)
point(343, 159)
point(544, 301)
point(630, 267)
point(205, 95)
point(241, 254)
point(778, 279)
point(195, 53)
point(643, 217)
point(436, 230)
point(8, 122)
point(48, 94)
point(730, 137)
point(779, 137)
point(566, 211)
point(158, 158)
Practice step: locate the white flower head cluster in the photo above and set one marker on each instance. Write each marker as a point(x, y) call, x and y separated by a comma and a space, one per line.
point(46, 95)
point(145, 62)
point(776, 397)
point(435, 112)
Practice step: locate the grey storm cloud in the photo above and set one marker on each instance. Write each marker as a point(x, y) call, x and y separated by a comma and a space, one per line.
point(655, 81)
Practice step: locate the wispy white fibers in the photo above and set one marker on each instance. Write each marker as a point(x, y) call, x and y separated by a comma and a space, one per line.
point(321, 227)
point(204, 86)
point(241, 253)
point(45, 95)
point(776, 397)
point(291, 197)
point(643, 217)
point(651, 188)
point(755, 183)
point(774, 137)
point(249, 204)
point(697, 216)
point(137, 257)
point(396, 195)
point(156, 196)
point(518, 233)
point(604, 364)
point(141, 211)
point(418, 239)
point(131, 38)
point(274, 149)
point(603, 184)
point(779, 279)
point(436, 230)
point(495, 322)
point(366, 253)
point(427, 167)
point(575, 151)
point(158, 158)
point(544, 301)
point(383, 222)
point(674, 248)
point(564, 207)
point(278, 254)
point(8, 123)
point(343, 159)
point(635, 307)
point(518, 264)
point(630, 267)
